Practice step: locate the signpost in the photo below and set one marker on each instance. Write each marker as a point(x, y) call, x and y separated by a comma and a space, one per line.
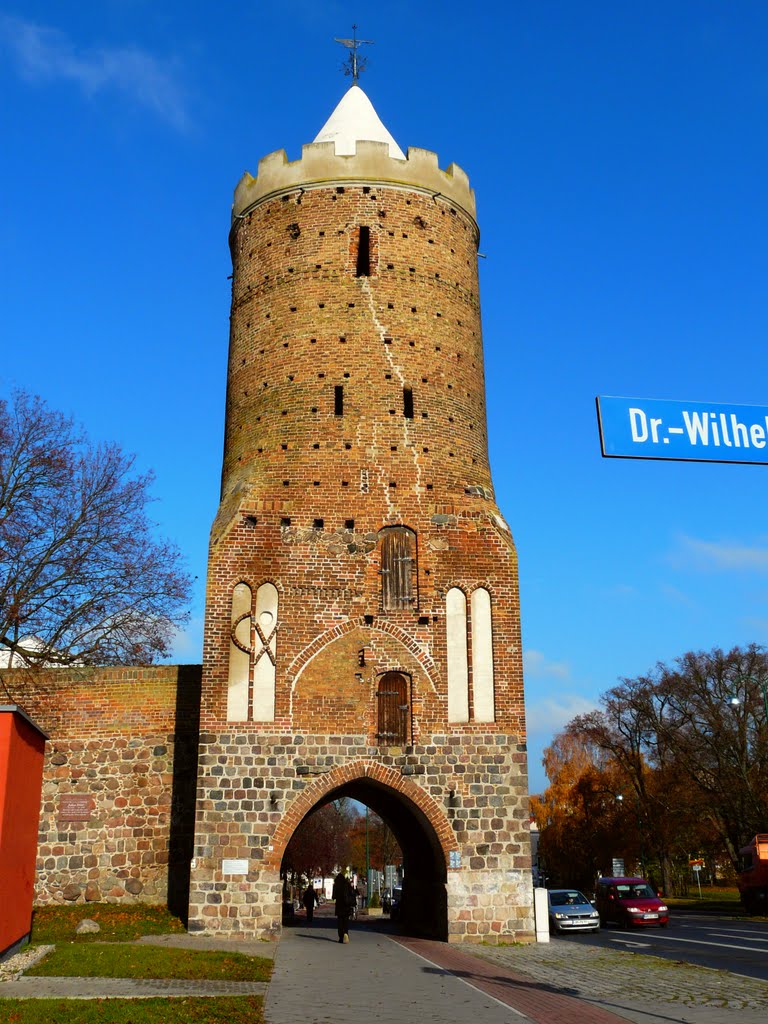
point(652, 428)
point(697, 864)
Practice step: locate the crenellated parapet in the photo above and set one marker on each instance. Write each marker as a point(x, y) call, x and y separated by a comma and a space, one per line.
point(320, 166)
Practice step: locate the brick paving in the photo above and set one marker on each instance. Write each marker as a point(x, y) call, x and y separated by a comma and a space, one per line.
point(635, 985)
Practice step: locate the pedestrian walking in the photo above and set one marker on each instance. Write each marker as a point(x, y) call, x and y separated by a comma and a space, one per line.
point(344, 896)
point(309, 899)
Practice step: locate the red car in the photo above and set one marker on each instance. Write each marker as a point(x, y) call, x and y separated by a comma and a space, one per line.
point(630, 902)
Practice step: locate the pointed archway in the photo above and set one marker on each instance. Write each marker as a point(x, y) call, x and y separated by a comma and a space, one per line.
point(417, 821)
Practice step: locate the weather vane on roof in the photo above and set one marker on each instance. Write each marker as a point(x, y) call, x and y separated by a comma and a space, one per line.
point(354, 65)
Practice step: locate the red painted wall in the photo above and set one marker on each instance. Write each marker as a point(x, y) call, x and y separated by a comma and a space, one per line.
point(22, 747)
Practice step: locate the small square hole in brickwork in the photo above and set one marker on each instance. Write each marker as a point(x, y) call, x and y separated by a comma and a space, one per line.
point(390, 305)
point(318, 266)
point(290, 270)
point(345, 483)
point(368, 620)
point(322, 233)
point(430, 486)
point(293, 309)
point(348, 446)
point(437, 348)
point(474, 462)
point(321, 375)
point(387, 341)
point(393, 448)
point(425, 415)
point(284, 199)
point(261, 351)
point(315, 483)
point(392, 483)
point(346, 375)
point(340, 190)
point(284, 447)
point(412, 344)
point(351, 305)
point(313, 409)
point(431, 241)
point(450, 419)
point(286, 483)
point(387, 376)
point(315, 445)
point(450, 387)
point(318, 524)
point(349, 524)
point(390, 266)
point(290, 376)
point(284, 412)
point(285, 344)
point(451, 454)
point(411, 270)
point(313, 341)
point(425, 449)
point(404, 235)
point(285, 522)
point(342, 340)
point(268, 316)
point(413, 309)
point(366, 189)
point(321, 305)
point(392, 233)
point(423, 620)
point(391, 412)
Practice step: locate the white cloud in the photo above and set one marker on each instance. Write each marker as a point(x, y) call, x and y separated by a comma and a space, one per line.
point(724, 556)
point(45, 54)
point(535, 664)
point(551, 714)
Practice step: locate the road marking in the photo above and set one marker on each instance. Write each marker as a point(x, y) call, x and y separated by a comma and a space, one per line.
point(720, 945)
point(730, 935)
point(627, 942)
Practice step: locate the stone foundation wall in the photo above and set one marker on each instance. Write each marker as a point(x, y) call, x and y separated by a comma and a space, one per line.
point(117, 812)
point(469, 793)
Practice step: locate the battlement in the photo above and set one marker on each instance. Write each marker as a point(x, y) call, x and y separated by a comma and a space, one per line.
point(371, 163)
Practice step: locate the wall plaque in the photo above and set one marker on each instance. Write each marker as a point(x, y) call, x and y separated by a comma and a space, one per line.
point(75, 807)
point(235, 866)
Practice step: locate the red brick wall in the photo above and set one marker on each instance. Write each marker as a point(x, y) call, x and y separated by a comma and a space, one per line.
point(303, 324)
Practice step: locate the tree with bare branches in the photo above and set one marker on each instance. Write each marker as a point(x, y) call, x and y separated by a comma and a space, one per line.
point(83, 578)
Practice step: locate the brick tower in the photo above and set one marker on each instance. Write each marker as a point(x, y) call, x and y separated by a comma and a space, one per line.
point(362, 626)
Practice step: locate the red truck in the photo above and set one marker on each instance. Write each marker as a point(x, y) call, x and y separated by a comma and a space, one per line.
point(753, 876)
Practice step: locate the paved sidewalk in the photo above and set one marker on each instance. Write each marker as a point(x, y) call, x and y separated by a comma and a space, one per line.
point(381, 979)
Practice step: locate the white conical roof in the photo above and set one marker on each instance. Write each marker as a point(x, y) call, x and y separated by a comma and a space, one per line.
point(354, 120)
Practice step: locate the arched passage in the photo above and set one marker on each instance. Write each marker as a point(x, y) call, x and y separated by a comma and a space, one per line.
point(418, 823)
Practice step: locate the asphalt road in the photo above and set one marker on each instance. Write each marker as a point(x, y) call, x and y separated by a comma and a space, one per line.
point(724, 944)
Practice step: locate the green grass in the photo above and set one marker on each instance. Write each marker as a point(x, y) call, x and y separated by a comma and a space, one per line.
point(219, 1010)
point(118, 923)
point(115, 960)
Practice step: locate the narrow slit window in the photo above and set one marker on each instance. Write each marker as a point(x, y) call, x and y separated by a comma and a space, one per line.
point(363, 268)
point(338, 400)
point(408, 403)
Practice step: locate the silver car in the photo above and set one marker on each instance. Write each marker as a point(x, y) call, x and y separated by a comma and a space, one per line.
point(571, 911)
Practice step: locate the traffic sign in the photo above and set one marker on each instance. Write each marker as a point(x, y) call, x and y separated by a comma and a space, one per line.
point(652, 428)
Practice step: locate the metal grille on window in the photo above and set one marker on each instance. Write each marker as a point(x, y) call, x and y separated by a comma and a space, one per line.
point(394, 709)
point(397, 565)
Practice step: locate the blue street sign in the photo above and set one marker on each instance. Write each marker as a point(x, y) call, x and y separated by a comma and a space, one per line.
point(652, 428)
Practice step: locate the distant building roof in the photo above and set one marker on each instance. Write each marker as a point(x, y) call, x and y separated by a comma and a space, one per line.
point(355, 120)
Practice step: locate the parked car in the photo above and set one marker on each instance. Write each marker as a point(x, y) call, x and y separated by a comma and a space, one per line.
point(630, 902)
point(394, 906)
point(571, 911)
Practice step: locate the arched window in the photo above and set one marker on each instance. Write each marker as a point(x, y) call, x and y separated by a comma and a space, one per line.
point(394, 709)
point(482, 656)
point(265, 653)
point(239, 654)
point(398, 568)
point(458, 663)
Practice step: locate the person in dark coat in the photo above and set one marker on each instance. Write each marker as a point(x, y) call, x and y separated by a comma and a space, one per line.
point(343, 895)
point(309, 899)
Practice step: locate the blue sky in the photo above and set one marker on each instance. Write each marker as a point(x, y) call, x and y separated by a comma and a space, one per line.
point(618, 153)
